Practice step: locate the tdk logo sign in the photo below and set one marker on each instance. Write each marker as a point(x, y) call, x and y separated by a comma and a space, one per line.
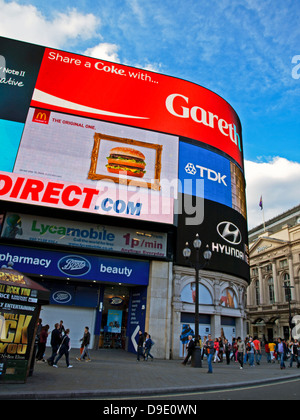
point(210, 174)
point(74, 265)
point(229, 232)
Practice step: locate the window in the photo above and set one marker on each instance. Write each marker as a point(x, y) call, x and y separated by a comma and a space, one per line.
point(271, 290)
point(267, 268)
point(283, 263)
point(255, 272)
point(287, 289)
point(257, 294)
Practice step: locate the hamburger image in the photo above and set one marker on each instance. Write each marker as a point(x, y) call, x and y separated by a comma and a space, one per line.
point(126, 161)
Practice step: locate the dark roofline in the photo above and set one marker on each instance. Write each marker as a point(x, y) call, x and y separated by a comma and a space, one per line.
point(275, 219)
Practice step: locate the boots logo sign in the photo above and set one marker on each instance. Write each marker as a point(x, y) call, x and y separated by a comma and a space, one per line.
point(62, 297)
point(74, 265)
point(229, 232)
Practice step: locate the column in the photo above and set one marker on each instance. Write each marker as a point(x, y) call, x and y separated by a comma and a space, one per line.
point(275, 280)
point(215, 326)
point(261, 286)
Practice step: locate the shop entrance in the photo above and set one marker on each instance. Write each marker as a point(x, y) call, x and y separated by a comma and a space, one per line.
point(114, 317)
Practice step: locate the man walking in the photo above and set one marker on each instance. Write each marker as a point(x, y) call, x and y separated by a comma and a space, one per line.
point(241, 352)
point(281, 350)
point(55, 343)
point(251, 351)
point(257, 346)
point(140, 346)
point(190, 349)
point(209, 345)
point(85, 343)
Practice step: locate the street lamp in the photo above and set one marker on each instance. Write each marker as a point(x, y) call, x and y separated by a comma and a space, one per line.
point(197, 265)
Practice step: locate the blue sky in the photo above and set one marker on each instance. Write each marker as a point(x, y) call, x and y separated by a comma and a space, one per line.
point(240, 49)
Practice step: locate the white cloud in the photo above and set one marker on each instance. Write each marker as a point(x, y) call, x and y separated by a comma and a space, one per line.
point(105, 51)
point(277, 180)
point(27, 23)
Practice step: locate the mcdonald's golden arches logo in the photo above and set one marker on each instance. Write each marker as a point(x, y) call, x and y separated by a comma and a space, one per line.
point(41, 116)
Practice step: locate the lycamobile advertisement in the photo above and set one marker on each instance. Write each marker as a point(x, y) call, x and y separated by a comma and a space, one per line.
point(84, 235)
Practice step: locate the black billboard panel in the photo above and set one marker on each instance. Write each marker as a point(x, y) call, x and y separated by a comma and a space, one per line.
point(19, 66)
point(223, 229)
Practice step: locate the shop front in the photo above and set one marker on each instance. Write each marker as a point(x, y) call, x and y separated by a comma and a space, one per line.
point(109, 295)
point(221, 307)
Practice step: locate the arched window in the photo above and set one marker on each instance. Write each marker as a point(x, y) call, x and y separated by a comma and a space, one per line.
point(287, 289)
point(271, 290)
point(257, 294)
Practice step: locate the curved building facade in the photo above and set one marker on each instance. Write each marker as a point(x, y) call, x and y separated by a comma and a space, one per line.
point(107, 172)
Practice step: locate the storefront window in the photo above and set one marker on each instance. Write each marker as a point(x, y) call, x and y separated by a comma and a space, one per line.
point(114, 317)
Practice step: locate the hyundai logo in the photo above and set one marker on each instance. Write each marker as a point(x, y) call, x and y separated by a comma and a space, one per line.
point(74, 265)
point(229, 232)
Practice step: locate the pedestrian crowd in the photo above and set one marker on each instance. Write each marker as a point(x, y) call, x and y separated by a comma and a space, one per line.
point(247, 351)
point(60, 344)
point(220, 350)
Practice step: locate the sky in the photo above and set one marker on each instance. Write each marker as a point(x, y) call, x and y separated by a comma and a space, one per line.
point(246, 51)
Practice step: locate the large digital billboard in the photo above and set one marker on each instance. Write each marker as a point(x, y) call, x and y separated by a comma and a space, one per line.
point(136, 97)
point(85, 134)
point(206, 174)
point(224, 230)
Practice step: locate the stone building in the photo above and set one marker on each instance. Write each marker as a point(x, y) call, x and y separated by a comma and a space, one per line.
point(273, 296)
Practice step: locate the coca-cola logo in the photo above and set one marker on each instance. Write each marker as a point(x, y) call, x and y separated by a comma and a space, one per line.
point(74, 265)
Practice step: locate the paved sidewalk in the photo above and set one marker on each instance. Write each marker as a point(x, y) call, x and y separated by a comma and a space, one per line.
point(116, 373)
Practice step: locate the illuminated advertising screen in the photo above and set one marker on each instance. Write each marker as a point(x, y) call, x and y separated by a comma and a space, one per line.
point(84, 235)
point(84, 134)
point(223, 229)
point(136, 97)
point(206, 174)
point(80, 164)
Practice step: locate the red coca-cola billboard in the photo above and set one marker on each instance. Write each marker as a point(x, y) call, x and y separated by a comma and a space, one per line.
point(103, 90)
